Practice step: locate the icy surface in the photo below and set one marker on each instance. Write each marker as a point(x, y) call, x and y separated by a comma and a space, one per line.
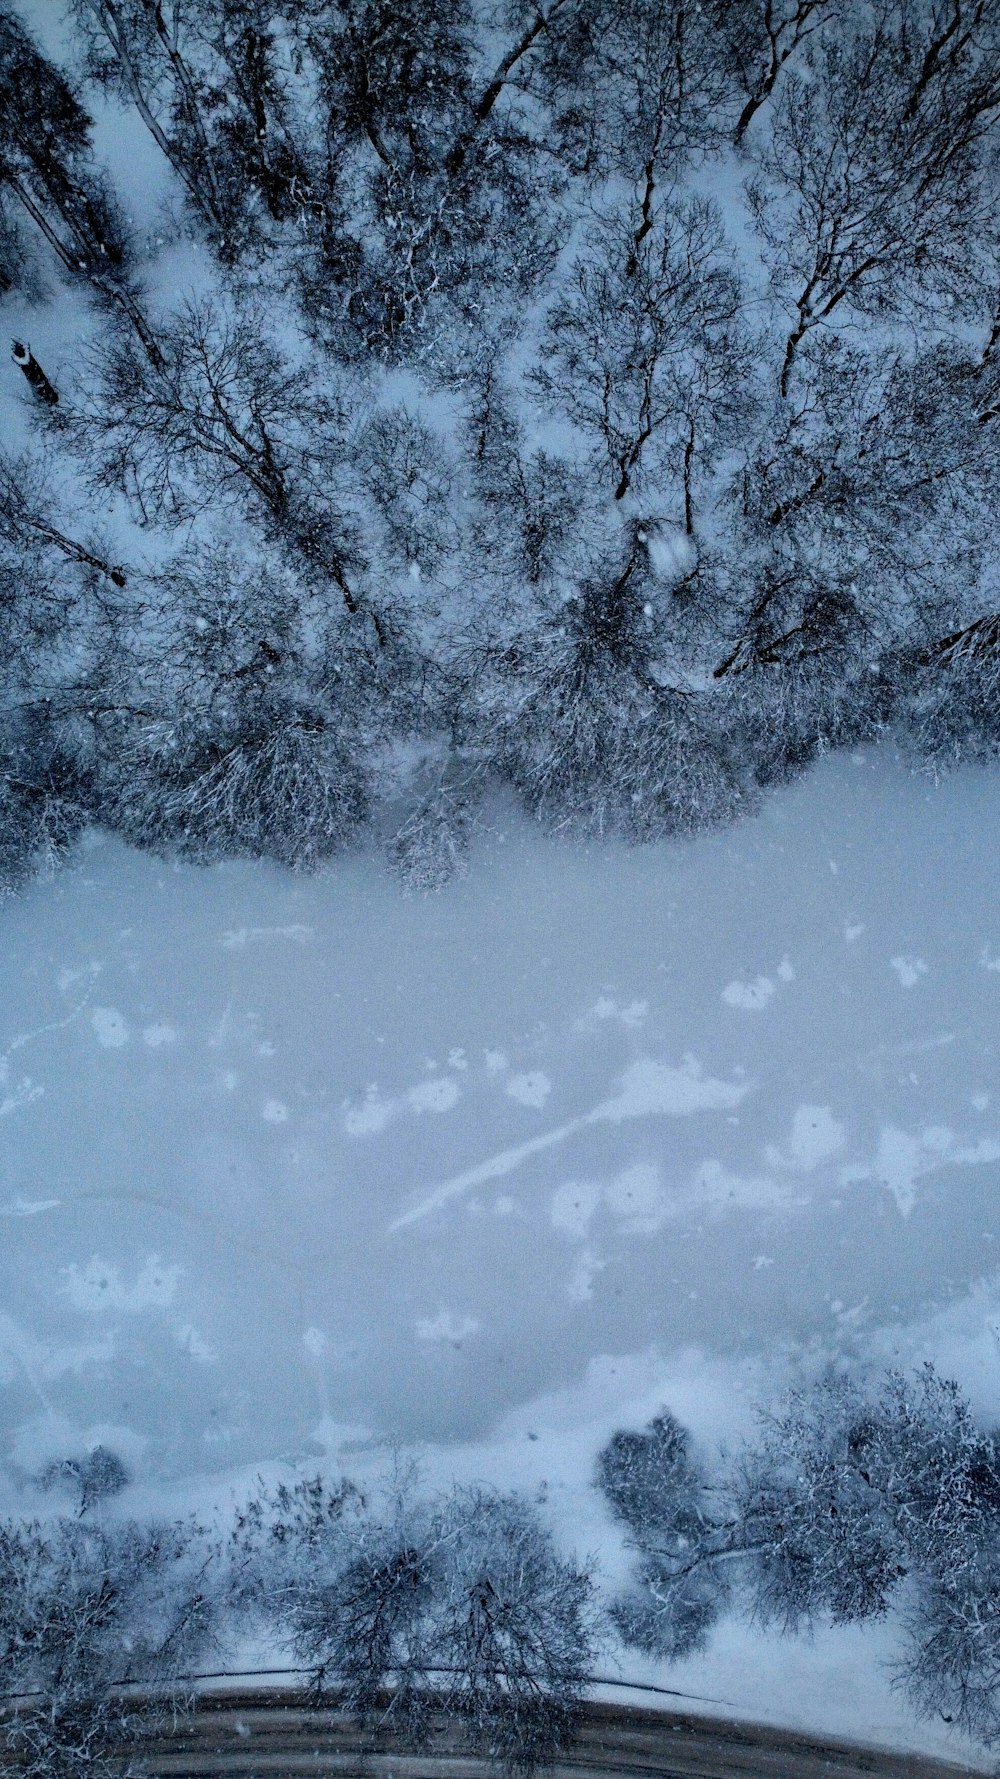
point(281, 1154)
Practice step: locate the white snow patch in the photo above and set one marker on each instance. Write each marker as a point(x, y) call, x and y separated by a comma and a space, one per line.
point(446, 1327)
point(572, 1206)
point(274, 1112)
point(29, 1207)
point(638, 1200)
point(648, 1087)
point(750, 996)
point(630, 1015)
point(903, 1157)
point(371, 1116)
point(162, 1033)
point(99, 1286)
point(853, 931)
point(651, 1087)
point(438, 1095)
point(23, 1094)
point(110, 1029)
point(68, 979)
point(334, 1437)
point(672, 553)
point(315, 1342)
point(580, 1287)
point(237, 937)
point(190, 1341)
point(908, 969)
point(531, 1089)
point(815, 1136)
point(495, 1061)
point(717, 1188)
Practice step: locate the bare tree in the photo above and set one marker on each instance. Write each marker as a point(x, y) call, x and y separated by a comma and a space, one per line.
point(85, 1610)
point(26, 516)
point(139, 45)
point(645, 352)
point(760, 41)
point(432, 199)
point(653, 1484)
point(846, 1493)
point(637, 89)
point(950, 1665)
point(224, 414)
point(47, 167)
point(460, 1604)
point(871, 198)
point(216, 88)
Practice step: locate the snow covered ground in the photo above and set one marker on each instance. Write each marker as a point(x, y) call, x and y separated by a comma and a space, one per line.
point(299, 1167)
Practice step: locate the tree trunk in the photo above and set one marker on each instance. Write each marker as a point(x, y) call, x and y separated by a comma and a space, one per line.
point(45, 391)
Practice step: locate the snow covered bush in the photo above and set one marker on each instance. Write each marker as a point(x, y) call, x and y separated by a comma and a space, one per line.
point(99, 1474)
point(947, 695)
point(853, 1498)
point(429, 849)
point(46, 799)
point(950, 1662)
point(280, 784)
point(86, 1612)
point(652, 1483)
point(593, 744)
point(459, 1604)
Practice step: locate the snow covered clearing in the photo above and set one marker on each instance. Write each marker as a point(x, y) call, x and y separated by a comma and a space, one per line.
point(297, 1170)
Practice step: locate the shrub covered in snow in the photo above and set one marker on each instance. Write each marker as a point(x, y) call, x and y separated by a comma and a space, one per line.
point(853, 1498)
point(461, 1604)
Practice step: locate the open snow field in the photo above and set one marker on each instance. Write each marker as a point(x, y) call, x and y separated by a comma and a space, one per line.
point(298, 1166)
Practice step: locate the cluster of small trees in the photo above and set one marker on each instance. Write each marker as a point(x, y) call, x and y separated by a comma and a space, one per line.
point(599, 398)
point(851, 1500)
point(397, 1613)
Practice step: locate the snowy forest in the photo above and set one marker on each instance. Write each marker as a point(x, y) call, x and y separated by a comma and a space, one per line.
point(599, 400)
point(415, 409)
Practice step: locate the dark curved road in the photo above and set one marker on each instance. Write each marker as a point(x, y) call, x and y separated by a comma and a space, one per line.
point(247, 1735)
